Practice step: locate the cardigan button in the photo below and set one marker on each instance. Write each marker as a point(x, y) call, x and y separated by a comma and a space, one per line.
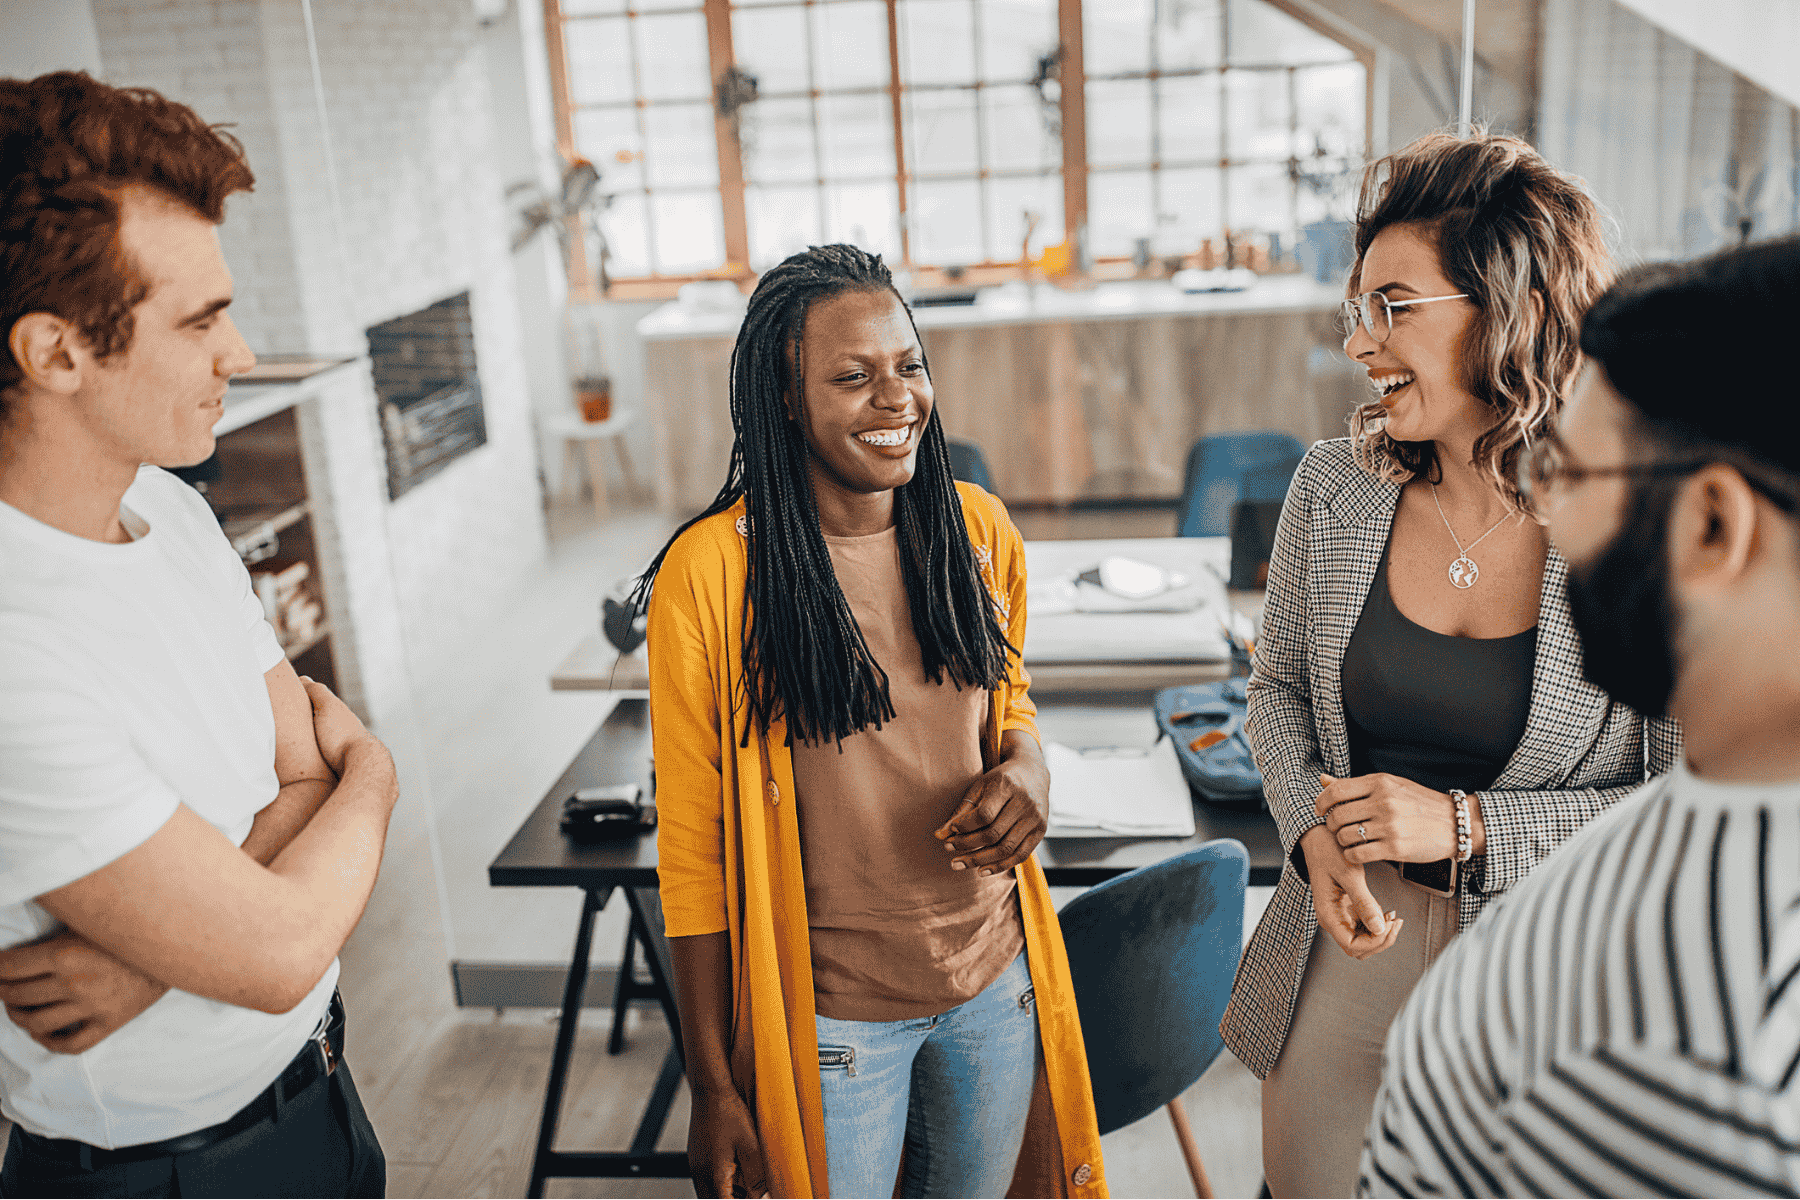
point(1082, 1174)
point(774, 791)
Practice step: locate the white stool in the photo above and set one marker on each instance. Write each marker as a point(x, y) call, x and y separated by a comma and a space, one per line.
point(572, 429)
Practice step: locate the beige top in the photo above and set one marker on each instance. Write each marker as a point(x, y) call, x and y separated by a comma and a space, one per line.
point(896, 934)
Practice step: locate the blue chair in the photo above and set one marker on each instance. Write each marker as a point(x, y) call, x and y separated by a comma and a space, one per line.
point(1153, 953)
point(968, 464)
point(1218, 476)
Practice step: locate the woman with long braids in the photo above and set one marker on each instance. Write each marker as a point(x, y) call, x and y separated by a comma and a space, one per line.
point(870, 974)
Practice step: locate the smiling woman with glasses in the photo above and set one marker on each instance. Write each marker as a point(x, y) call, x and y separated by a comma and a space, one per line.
point(1417, 706)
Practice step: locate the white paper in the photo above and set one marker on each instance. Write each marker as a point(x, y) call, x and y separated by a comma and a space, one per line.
point(1128, 791)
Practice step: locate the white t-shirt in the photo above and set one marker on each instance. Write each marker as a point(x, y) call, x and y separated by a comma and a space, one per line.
point(131, 680)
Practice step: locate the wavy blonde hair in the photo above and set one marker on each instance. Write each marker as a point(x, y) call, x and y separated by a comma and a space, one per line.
point(1525, 242)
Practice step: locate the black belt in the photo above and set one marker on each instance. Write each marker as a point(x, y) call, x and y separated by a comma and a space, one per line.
point(320, 1056)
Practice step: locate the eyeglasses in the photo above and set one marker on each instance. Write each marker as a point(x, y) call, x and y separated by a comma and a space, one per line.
point(1374, 312)
point(1549, 463)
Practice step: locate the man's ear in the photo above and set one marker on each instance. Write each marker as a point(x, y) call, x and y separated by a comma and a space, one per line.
point(49, 352)
point(1713, 534)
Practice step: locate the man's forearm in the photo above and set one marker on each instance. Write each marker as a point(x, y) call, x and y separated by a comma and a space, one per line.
point(227, 928)
point(284, 818)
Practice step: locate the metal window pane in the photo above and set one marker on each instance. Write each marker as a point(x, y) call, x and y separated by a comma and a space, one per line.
point(866, 215)
point(1190, 118)
point(1187, 211)
point(690, 231)
point(608, 137)
point(946, 222)
point(782, 221)
point(1262, 33)
point(1014, 35)
point(857, 133)
point(1258, 199)
point(850, 45)
point(770, 44)
point(1330, 105)
point(777, 141)
point(1256, 115)
point(672, 54)
point(1115, 37)
point(1119, 211)
point(940, 131)
point(1018, 138)
point(1187, 36)
point(627, 236)
point(683, 150)
point(1118, 121)
point(599, 53)
point(937, 42)
point(1007, 200)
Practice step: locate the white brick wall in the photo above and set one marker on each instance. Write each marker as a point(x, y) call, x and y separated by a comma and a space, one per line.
point(407, 139)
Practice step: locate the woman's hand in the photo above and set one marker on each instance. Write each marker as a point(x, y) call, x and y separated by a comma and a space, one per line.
point(1005, 814)
point(1384, 818)
point(724, 1157)
point(1342, 901)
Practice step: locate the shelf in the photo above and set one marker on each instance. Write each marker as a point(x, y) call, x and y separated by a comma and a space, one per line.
point(250, 531)
point(250, 400)
point(298, 648)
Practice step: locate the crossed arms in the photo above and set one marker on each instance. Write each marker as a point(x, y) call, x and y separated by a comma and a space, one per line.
point(255, 926)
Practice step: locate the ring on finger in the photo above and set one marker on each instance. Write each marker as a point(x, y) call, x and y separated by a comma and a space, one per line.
point(1364, 830)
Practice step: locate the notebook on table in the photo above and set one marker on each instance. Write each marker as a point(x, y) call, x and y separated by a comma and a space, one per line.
point(1118, 791)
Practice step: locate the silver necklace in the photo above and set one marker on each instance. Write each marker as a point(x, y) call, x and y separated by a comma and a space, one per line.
point(1463, 572)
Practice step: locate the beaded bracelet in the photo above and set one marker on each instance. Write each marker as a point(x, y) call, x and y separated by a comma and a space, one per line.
point(1465, 841)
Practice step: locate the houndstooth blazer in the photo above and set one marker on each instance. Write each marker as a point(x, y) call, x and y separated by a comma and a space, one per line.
point(1580, 752)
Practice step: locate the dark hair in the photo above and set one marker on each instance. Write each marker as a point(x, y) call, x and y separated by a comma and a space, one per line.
point(805, 659)
point(69, 145)
point(1508, 226)
point(1671, 336)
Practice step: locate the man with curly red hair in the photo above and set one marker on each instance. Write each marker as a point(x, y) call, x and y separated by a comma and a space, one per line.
point(188, 830)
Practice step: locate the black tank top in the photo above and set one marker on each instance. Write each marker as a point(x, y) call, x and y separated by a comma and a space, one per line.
point(1439, 710)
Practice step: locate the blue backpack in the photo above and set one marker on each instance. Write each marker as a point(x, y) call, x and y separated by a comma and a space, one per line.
point(1206, 723)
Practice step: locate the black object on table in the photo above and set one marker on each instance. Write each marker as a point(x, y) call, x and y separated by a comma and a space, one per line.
point(540, 856)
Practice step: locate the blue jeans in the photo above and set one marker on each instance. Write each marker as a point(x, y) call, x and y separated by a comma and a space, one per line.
point(954, 1089)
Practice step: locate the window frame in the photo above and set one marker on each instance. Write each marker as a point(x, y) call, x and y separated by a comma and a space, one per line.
point(732, 185)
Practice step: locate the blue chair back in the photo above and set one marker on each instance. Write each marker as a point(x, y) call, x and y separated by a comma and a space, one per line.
point(1217, 470)
point(1153, 953)
point(968, 464)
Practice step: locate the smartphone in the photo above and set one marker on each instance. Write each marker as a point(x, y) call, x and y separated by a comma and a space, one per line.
point(1439, 878)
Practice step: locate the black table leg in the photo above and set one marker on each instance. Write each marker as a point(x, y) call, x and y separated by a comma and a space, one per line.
point(592, 902)
point(642, 1160)
point(625, 990)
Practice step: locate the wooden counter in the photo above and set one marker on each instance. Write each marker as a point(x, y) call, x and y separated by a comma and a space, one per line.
point(1091, 395)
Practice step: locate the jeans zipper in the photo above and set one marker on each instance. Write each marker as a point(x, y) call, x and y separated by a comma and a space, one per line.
point(839, 1058)
point(1027, 998)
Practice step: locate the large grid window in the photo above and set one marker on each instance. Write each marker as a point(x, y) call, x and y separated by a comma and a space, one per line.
point(1205, 116)
point(640, 89)
point(946, 133)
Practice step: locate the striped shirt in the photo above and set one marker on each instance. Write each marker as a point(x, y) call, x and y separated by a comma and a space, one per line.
point(1625, 1022)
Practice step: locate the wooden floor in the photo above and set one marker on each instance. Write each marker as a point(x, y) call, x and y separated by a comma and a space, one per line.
point(455, 1094)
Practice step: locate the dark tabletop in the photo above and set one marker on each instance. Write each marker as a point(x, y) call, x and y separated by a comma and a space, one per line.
point(540, 856)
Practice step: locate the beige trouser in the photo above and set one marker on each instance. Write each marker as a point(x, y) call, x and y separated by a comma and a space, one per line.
point(1316, 1101)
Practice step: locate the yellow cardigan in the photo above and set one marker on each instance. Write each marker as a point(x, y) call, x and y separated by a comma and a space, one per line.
point(728, 840)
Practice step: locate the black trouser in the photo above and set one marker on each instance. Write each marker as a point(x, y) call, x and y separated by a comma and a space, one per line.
point(316, 1143)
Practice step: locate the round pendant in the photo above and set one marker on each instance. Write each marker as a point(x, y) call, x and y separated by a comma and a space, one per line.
point(1464, 572)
